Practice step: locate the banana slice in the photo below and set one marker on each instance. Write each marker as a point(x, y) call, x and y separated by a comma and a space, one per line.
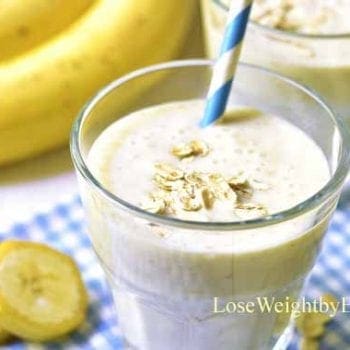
point(309, 344)
point(42, 295)
point(4, 336)
point(312, 324)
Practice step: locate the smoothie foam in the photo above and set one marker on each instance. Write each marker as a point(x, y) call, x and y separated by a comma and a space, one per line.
point(309, 17)
point(246, 143)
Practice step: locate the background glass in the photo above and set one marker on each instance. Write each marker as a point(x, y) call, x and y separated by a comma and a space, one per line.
point(320, 61)
point(165, 294)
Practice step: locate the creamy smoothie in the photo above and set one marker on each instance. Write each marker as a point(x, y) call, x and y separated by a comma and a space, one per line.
point(176, 288)
point(309, 17)
point(307, 40)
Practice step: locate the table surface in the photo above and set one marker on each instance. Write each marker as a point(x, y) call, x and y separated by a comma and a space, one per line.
point(35, 186)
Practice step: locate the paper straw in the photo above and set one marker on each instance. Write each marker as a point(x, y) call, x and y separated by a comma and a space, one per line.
point(226, 64)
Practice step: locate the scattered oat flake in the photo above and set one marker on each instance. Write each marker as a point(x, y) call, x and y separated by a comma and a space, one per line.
point(169, 172)
point(182, 151)
point(251, 206)
point(187, 159)
point(155, 206)
point(193, 190)
point(323, 318)
point(241, 186)
point(250, 210)
point(189, 190)
point(199, 148)
point(221, 189)
point(309, 344)
point(309, 325)
point(195, 178)
point(193, 148)
point(216, 177)
point(208, 198)
point(167, 185)
point(329, 299)
point(190, 204)
point(238, 180)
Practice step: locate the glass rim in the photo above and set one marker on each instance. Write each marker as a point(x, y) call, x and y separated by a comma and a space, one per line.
point(326, 192)
point(294, 35)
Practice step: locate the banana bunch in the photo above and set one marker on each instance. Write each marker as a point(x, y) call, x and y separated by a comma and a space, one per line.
point(26, 24)
point(55, 54)
point(42, 295)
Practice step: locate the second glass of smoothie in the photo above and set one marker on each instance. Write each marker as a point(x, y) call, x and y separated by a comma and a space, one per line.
point(306, 40)
point(194, 227)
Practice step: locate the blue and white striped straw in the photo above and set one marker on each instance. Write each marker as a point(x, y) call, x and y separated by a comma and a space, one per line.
point(226, 64)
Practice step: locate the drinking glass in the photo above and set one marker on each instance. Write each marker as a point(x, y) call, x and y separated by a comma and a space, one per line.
point(183, 296)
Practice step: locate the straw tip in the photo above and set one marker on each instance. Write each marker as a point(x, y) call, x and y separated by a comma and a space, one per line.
point(209, 117)
point(203, 123)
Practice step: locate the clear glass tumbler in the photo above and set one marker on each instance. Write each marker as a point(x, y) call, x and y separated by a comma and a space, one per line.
point(320, 61)
point(173, 297)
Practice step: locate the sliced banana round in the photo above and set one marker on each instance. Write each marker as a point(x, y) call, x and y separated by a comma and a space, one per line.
point(309, 344)
point(42, 295)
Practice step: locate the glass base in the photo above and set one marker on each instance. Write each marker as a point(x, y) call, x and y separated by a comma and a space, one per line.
point(282, 343)
point(153, 323)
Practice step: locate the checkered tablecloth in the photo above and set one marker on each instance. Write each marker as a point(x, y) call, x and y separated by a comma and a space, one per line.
point(63, 228)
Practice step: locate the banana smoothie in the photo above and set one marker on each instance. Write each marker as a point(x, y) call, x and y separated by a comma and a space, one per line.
point(177, 287)
point(307, 40)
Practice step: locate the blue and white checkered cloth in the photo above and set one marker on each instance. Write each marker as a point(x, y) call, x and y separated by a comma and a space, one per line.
point(64, 229)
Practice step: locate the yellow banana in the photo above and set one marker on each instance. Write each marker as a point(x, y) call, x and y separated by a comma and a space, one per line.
point(42, 92)
point(42, 295)
point(25, 24)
